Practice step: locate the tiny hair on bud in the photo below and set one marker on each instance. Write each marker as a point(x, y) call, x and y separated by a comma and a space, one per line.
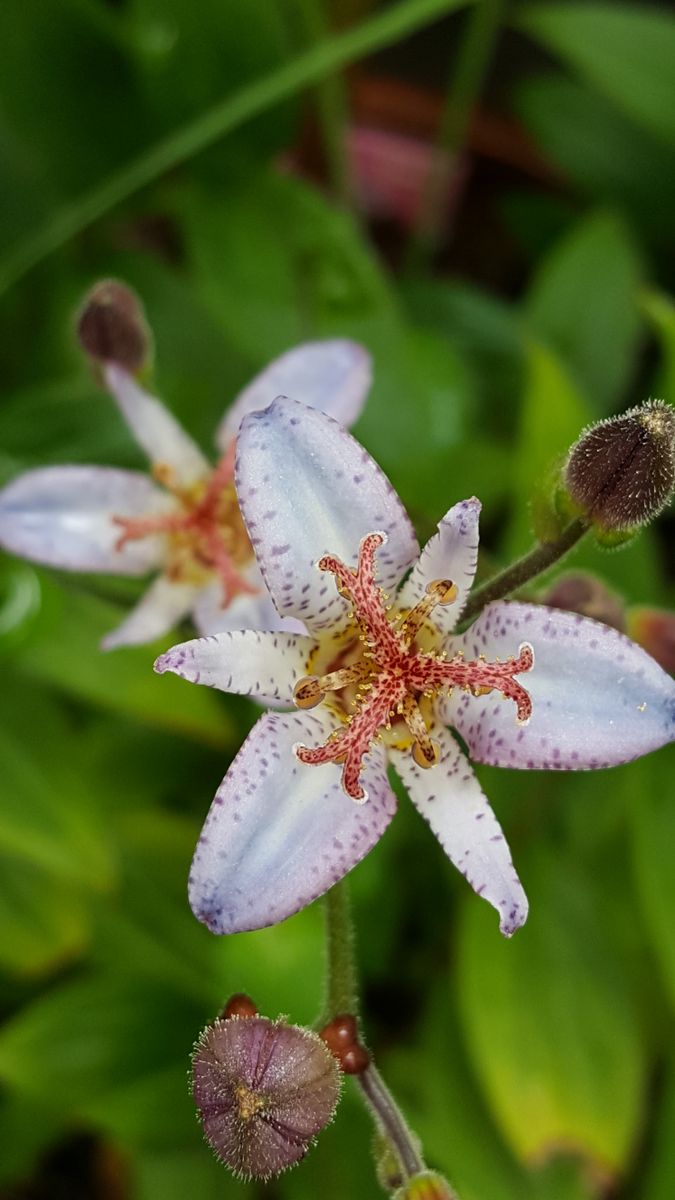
point(111, 326)
point(621, 471)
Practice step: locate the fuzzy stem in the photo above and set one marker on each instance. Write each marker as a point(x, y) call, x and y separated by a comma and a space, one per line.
point(537, 560)
point(389, 1118)
point(331, 105)
point(341, 975)
point(470, 68)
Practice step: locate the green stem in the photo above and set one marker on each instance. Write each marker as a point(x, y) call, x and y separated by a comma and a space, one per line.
point(329, 55)
point(539, 559)
point(391, 1122)
point(332, 107)
point(341, 972)
point(470, 68)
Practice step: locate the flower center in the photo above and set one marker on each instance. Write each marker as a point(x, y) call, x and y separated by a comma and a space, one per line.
point(207, 536)
point(393, 674)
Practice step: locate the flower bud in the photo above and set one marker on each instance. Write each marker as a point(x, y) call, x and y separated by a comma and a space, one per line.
point(341, 1036)
point(426, 1186)
point(583, 593)
point(111, 326)
point(621, 472)
point(239, 1005)
point(263, 1091)
point(654, 630)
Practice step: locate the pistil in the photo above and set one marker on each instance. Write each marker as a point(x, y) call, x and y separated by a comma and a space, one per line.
point(394, 674)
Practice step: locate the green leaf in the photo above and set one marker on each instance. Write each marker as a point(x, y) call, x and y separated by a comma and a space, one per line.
point(63, 651)
point(653, 820)
point(582, 303)
point(26, 1131)
point(660, 312)
point(327, 56)
point(550, 1022)
point(91, 1037)
point(553, 413)
point(626, 51)
point(44, 920)
point(657, 1182)
point(605, 155)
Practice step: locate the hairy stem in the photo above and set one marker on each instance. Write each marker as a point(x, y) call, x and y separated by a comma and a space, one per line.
point(388, 1116)
point(468, 75)
point(537, 560)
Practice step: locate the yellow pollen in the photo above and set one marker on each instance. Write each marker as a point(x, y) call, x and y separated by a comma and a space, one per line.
point(248, 1103)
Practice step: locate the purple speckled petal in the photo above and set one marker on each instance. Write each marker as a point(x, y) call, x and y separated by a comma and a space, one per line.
point(451, 553)
point(598, 699)
point(449, 796)
point(245, 661)
point(280, 833)
point(157, 432)
point(63, 516)
point(244, 612)
point(333, 375)
point(164, 604)
point(307, 488)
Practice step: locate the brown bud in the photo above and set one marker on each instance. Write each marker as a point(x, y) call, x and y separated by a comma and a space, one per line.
point(263, 1091)
point(341, 1036)
point(239, 1005)
point(111, 326)
point(583, 593)
point(621, 472)
point(654, 630)
point(426, 1186)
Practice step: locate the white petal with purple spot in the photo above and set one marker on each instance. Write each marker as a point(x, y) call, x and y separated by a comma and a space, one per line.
point(450, 798)
point(163, 605)
point(333, 375)
point(598, 699)
point(452, 553)
point(279, 833)
point(246, 661)
point(306, 488)
point(157, 432)
point(63, 516)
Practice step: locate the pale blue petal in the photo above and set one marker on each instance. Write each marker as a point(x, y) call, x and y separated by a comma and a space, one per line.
point(452, 553)
point(280, 833)
point(333, 375)
point(63, 516)
point(246, 661)
point(307, 488)
point(156, 430)
point(164, 605)
point(450, 797)
point(598, 699)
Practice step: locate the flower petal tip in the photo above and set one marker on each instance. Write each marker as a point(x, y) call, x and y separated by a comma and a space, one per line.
point(513, 919)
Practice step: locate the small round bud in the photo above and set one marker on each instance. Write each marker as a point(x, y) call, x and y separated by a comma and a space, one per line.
point(654, 630)
point(341, 1036)
point(583, 593)
point(263, 1091)
point(239, 1005)
point(111, 326)
point(426, 1186)
point(621, 472)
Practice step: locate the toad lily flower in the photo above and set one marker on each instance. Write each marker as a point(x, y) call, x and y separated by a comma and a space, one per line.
point(189, 528)
point(380, 676)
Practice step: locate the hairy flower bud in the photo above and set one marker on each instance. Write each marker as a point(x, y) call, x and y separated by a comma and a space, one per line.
point(111, 326)
point(621, 472)
point(583, 593)
point(263, 1091)
point(426, 1186)
point(341, 1036)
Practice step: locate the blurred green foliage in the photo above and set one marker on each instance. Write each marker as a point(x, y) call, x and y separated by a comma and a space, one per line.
point(539, 1069)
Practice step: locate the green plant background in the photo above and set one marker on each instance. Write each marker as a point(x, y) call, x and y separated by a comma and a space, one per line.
point(538, 1069)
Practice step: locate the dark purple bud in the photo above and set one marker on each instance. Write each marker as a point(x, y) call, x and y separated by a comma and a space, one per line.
point(583, 593)
point(621, 472)
point(111, 326)
point(263, 1091)
point(654, 630)
point(426, 1186)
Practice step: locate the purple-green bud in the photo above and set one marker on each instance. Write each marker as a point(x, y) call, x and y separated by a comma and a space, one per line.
point(621, 472)
point(654, 630)
point(426, 1186)
point(111, 326)
point(582, 593)
point(263, 1091)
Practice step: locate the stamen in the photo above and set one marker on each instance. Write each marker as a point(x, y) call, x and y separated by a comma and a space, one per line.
point(311, 690)
point(439, 591)
point(425, 751)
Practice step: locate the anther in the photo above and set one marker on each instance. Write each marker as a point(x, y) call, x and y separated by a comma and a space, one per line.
point(426, 753)
point(307, 692)
point(444, 591)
